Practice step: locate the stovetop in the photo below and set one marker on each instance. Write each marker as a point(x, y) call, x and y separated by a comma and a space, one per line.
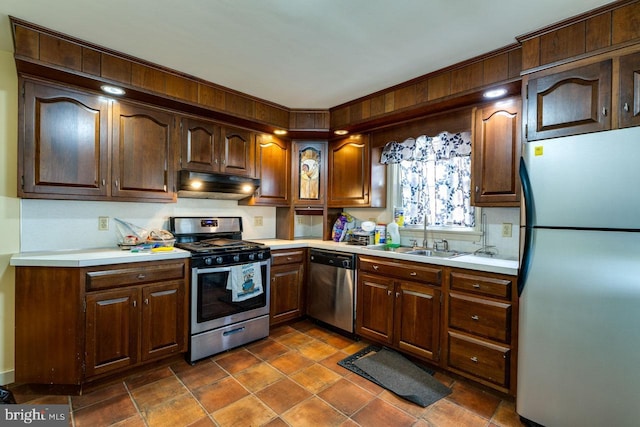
point(219, 245)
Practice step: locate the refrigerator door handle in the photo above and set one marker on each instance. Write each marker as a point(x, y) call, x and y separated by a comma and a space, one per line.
point(528, 230)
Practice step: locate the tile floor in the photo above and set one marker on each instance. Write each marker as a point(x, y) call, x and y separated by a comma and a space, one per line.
point(289, 379)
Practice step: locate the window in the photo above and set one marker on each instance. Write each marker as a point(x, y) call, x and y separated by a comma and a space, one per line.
point(434, 177)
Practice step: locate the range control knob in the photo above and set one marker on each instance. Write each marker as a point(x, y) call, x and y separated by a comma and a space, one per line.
point(260, 255)
point(252, 256)
point(236, 258)
point(208, 261)
point(219, 260)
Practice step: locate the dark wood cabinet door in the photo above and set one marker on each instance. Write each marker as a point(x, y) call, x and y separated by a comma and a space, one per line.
point(273, 162)
point(199, 143)
point(111, 330)
point(374, 308)
point(571, 102)
point(349, 172)
point(417, 319)
point(496, 154)
point(238, 150)
point(629, 112)
point(63, 142)
point(142, 144)
point(163, 317)
point(286, 292)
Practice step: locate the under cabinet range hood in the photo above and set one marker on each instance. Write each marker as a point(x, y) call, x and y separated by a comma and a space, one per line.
point(205, 185)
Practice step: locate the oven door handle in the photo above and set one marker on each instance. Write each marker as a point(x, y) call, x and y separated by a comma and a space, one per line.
point(233, 331)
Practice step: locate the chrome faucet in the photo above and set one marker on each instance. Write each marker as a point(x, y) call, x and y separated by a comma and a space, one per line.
point(414, 243)
point(424, 237)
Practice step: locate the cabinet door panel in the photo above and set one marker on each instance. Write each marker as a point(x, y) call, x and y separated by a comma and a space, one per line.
point(238, 152)
point(64, 142)
point(199, 145)
point(374, 310)
point(286, 292)
point(630, 90)
point(112, 330)
point(496, 155)
point(162, 320)
point(141, 152)
point(418, 319)
point(349, 173)
point(273, 161)
point(569, 103)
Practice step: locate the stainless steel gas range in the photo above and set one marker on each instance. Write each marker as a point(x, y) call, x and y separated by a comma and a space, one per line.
point(229, 284)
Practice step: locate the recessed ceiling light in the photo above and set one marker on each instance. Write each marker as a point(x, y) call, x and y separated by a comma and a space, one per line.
point(341, 132)
point(280, 132)
point(113, 90)
point(495, 93)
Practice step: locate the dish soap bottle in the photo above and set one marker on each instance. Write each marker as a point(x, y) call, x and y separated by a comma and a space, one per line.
point(393, 235)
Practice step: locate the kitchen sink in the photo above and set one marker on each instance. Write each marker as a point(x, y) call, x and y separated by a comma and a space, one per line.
point(409, 250)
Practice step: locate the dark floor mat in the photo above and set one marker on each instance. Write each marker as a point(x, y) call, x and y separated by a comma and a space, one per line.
point(397, 374)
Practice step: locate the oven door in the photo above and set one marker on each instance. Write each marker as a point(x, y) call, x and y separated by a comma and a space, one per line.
point(212, 304)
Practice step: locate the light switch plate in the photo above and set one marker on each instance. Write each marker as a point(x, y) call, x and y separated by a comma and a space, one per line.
point(103, 223)
point(506, 229)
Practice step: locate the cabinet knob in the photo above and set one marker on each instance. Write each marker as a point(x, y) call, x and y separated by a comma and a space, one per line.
point(141, 276)
point(135, 303)
point(474, 359)
point(146, 301)
point(388, 292)
point(116, 183)
point(397, 294)
point(476, 286)
point(375, 267)
point(475, 317)
point(103, 182)
point(413, 273)
point(289, 258)
point(477, 188)
point(626, 107)
point(604, 111)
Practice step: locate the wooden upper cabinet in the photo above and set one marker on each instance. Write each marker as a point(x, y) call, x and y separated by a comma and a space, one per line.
point(142, 147)
point(63, 140)
point(309, 171)
point(273, 164)
point(629, 110)
point(199, 145)
point(570, 102)
point(237, 151)
point(496, 154)
point(349, 172)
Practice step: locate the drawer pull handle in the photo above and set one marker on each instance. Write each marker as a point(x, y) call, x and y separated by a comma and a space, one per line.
point(413, 273)
point(289, 258)
point(375, 267)
point(475, 317)
point(476, 286)
point(141, 276)
point(474, 359)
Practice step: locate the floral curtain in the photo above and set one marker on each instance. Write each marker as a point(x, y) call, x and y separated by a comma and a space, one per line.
point(435, 176)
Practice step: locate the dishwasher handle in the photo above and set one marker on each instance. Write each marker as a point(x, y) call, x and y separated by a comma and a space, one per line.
point(334, 259)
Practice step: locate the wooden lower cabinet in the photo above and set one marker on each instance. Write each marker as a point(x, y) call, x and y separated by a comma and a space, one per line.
point(400, 313)
point(75, 325)
point(481, 328)
point(287, 285)
point(463, 321)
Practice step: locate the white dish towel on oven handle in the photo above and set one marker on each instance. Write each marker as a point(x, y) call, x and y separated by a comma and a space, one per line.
point(245, 281)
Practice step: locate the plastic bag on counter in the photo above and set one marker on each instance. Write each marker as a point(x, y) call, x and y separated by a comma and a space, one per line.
point(343, 225)
point(130, 234)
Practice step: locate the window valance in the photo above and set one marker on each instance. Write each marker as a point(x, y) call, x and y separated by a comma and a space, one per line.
point(424, 148)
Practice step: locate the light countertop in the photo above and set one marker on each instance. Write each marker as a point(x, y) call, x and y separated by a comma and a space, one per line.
point(91, 257)
point(472, 262)
point(94, 257)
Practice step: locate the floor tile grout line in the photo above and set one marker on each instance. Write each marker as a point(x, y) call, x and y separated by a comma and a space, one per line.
point(135, 404)
point(194, 397)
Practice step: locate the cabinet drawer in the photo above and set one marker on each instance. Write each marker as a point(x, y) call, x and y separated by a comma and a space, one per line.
point(491, 319)
point(405, 271)
point(287, 257)
point(128, 276)
point(492, 286)
point(479, 358)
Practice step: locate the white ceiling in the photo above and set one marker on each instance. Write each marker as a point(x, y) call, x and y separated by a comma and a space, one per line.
point(297, 53)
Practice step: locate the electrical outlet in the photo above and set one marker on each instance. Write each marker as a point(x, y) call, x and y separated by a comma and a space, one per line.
point(300, 219)
point(103, 223)
point(506, 229)
point(257, 221)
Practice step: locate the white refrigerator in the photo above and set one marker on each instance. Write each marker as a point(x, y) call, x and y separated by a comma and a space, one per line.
point(579, 282)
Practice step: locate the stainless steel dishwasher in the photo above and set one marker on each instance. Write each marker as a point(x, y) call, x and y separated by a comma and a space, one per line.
point(332, 288)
